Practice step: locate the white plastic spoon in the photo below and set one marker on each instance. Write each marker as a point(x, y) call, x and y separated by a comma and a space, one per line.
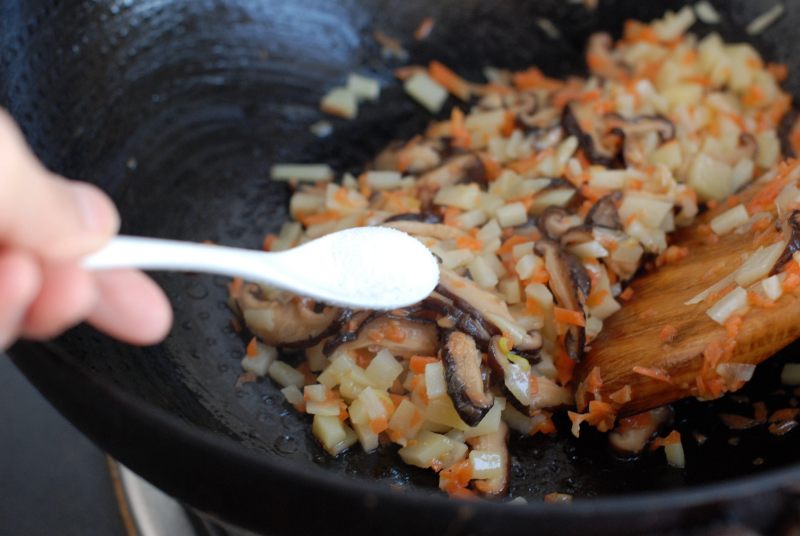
point(364, 267)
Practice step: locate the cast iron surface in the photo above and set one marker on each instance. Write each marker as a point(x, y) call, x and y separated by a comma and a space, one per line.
point(177, 108)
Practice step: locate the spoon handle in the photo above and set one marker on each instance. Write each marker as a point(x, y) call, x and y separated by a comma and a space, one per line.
point(173, 255)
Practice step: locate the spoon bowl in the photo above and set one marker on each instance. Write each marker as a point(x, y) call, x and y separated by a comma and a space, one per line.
point(363, 267)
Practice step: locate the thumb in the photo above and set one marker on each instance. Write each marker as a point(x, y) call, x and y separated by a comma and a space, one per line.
point(43, 213)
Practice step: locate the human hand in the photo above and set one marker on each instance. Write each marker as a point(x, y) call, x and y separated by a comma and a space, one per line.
point(47, 224)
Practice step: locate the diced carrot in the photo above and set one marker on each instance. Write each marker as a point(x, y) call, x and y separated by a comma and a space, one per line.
point(343, 414)
point(378, 424)
point(490, 166)
point(545, 426)
point(596, 298)
point(252, 348)
point(397, 399)
point(564, 367)
point(753, 96)
point(509, 244)
point(791, 282)
point(320, 217)
point(268, 241)
point(672, 255)
point(468, 242)
point(767, 194)
point(568, 316)
point(509, 124)
point(626, 294)
point(453, 83)
point(534, 79)
point(235, 287)
point(732, 326)
point(455, 479)
point(779, 71)
point(654, 373)
point(533, 385)
point(594, 382)
point(539, 276)
point(450, 215)
point(407, 71)
point(668, 333)
point(757, 300)
point(417, 363)
point(533, 307)
point(673, 437)
point(527, 164)
point(458, 132)
point(622, 395)
point(424, 29)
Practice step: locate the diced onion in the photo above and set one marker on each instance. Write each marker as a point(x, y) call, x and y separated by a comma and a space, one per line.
point(426, 91)
point(463, 196)
point(772, 287)
point(716, 287)
point(675, 455)
point(259, 363)
point(363, 87)
point(706, 12)
point(491, 230)
point(759, 264)
point(340, 101)
point(285, 375)
point(511, 215)
point(482, 273)
point(727, 305)
point(760, 23)
point(431, 447)
point(293, 395)
point(589, 250)
point(528, 265)
point(730, 220)
point(383, 370)
point(301, 172)
point(486, 464)
point(384, 180)
point(435, 384)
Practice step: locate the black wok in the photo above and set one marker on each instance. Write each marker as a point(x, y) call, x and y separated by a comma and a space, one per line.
point(177, 108)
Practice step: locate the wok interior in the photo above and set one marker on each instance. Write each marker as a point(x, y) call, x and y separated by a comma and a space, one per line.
point(178, 108)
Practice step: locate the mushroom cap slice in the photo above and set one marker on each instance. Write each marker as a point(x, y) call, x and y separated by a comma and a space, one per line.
point(462, 365)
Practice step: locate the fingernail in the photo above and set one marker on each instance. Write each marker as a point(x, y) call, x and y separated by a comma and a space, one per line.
point(97, 212)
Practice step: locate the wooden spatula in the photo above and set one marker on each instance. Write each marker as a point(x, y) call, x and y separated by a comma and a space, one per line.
point(636, 337)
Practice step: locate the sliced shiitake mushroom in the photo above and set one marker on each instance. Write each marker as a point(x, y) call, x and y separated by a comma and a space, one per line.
point(554, 222)
point(570, 285)
point(634, 132)
point(465, 385)
point(419, 217)
point(604, 212)
point(488, 309)
point(496, 441)
point(793, 221)
point(434, 230)
point(598, 150)
point(416, 338)
point(280, 323)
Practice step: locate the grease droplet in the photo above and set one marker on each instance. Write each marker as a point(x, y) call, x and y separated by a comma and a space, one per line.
point(286, 444)
point(196, 290)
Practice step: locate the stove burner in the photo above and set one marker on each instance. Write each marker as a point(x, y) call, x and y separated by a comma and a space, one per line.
point(148, 511)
